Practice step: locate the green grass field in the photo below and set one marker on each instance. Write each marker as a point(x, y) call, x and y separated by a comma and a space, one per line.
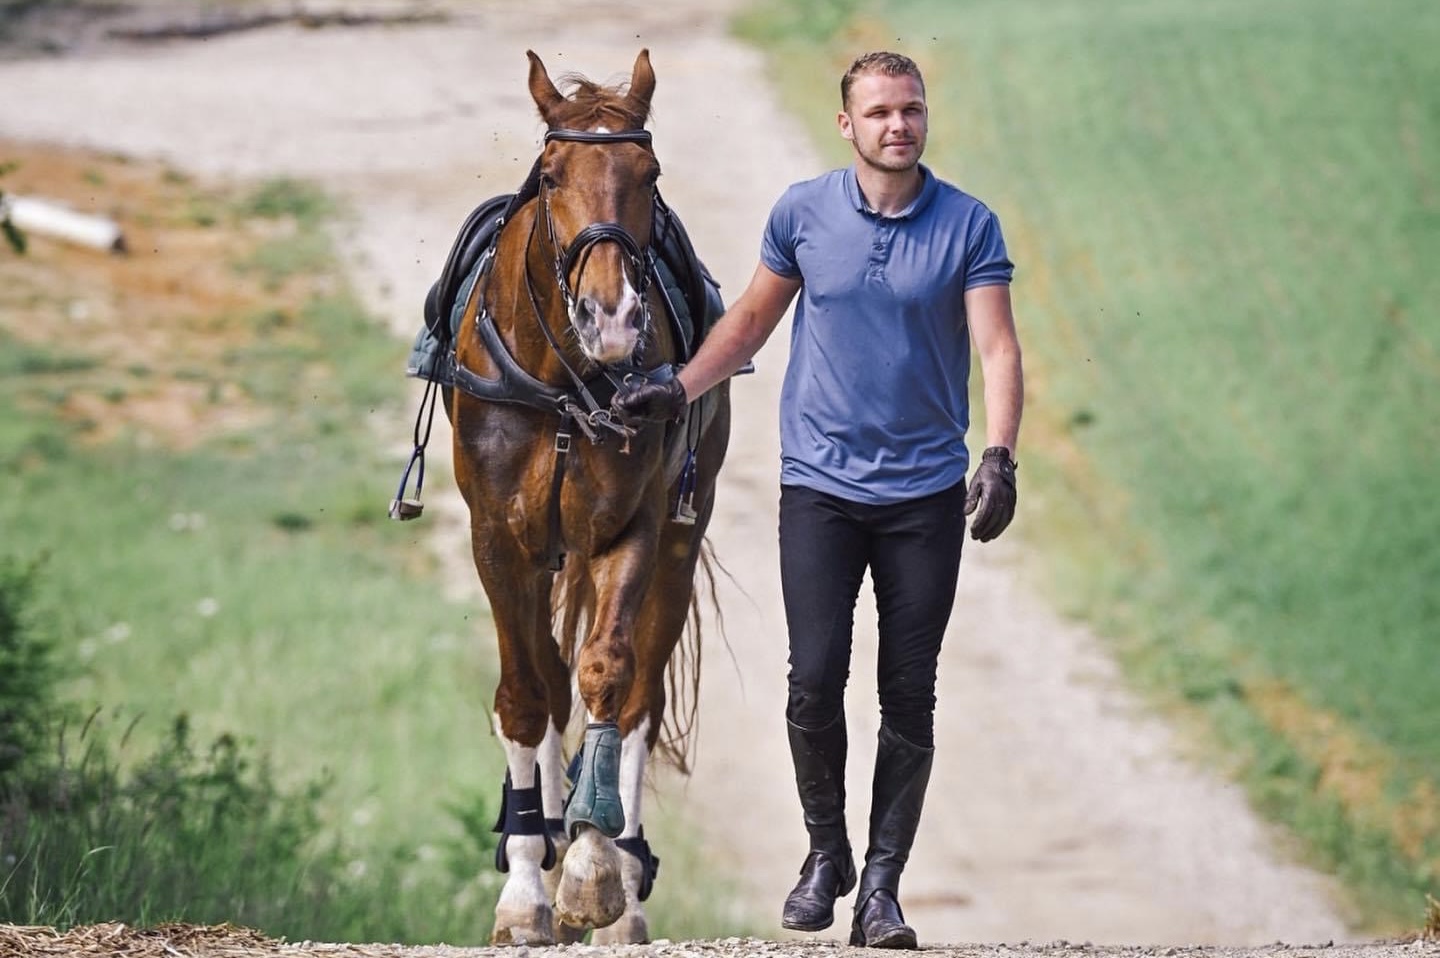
point(1226, 220)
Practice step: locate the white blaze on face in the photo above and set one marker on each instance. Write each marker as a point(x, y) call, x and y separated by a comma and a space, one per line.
point(616, 332)
point(609, 335)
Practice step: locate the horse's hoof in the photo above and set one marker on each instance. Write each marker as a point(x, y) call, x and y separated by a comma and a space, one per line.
point(630, 929)
point(595, 796)
point(569, 934)
point(591, 892)
point(523, 926)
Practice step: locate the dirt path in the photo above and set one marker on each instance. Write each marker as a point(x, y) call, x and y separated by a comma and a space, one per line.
point(1059, 809)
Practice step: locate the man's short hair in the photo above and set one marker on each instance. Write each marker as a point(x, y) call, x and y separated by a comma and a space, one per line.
point(882, 62)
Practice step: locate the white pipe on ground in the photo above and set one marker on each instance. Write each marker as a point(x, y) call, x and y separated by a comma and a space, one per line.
point(44, 218)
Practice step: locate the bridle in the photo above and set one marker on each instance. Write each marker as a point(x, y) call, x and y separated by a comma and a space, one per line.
point(586, 240)
point(580, 247)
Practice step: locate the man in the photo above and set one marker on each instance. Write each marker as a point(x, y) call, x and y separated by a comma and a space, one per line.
point(898, 273)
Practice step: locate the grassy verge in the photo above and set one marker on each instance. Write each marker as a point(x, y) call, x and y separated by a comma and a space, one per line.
point(1224, 217)
point(190, 457)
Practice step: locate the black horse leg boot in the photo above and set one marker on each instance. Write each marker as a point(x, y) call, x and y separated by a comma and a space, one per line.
point(829, 869)
point(902, 772)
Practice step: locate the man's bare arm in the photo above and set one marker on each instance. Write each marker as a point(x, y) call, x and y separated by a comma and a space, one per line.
point(740, 333)
point(992, 329)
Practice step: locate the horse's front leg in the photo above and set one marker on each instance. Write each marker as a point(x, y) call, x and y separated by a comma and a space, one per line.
point(532, 843)
point(532, 702)
point(591, 891)
point(637, 866)
point(660, 625)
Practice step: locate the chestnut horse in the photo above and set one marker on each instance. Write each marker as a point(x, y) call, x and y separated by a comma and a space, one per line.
point(580, 522)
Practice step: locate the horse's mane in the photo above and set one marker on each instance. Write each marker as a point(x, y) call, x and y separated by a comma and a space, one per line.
point(589, 105)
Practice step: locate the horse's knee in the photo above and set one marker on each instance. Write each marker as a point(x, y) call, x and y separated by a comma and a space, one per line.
point(522, 715)
point(605, 677)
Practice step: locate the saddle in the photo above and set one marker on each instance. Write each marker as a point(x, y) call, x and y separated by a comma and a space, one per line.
point(692, 296)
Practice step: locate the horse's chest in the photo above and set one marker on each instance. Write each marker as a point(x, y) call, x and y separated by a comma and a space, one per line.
point(589, 507)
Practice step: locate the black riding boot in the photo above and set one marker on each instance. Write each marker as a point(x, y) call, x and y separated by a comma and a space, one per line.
point(829, 869)
point(902, 772)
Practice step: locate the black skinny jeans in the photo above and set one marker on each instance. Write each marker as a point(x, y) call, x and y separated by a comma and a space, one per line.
point(913, 552)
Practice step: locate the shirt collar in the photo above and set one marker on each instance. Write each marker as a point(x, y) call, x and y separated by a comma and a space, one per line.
point(928, 186)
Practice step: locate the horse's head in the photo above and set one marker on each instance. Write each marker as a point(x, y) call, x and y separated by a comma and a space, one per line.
point(596, 205)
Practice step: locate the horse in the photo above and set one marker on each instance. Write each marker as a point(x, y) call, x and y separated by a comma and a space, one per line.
point(582, 525)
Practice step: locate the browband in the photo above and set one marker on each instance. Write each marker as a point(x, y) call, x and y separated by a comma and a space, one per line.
point(587, 136)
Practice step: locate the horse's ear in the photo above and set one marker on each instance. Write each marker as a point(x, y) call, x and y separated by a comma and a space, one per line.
point(546, 97)
point(642, 82)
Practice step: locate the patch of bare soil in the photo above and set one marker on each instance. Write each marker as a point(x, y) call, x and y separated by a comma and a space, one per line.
point(149, 328)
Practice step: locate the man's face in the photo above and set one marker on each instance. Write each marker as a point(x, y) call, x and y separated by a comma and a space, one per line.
point(886, 121)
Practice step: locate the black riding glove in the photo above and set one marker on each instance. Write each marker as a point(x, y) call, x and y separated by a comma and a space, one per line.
point(992, 494)
point(655, 402)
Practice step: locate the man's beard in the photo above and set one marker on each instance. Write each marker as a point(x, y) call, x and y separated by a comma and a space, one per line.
point(876, 159)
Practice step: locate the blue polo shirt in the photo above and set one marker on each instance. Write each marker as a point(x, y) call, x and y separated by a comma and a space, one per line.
point(875, 403)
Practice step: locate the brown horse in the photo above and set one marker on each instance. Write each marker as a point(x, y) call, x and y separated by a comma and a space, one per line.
point(579, 522)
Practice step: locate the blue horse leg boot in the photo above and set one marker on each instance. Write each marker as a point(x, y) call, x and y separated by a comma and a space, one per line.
point(595, 796)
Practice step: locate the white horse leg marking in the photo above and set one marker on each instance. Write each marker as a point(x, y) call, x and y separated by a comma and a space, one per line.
point(523, 914)
point(633, 754)
point(632, 926)
point(552, 798)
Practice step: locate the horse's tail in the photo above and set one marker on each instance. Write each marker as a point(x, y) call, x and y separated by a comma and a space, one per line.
point(574, 609)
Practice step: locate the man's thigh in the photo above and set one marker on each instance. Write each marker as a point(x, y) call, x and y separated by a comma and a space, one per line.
point(824, 550)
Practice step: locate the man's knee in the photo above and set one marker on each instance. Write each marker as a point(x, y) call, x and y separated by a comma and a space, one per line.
point(812, 709)
point(915, 729)
point(911, 715)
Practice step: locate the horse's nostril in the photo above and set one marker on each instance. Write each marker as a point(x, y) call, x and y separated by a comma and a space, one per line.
point(587, 308)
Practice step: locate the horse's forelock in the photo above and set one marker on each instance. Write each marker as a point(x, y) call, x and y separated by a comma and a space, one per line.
point(589, 105)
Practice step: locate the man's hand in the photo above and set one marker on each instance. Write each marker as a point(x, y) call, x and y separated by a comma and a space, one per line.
point(654, 402)
point(992, 494)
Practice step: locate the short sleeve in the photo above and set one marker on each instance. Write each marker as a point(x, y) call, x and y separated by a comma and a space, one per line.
point(986, 262)
point(777, 246)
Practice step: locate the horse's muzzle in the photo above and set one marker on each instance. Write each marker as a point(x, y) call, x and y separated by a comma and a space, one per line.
point(609, 335)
